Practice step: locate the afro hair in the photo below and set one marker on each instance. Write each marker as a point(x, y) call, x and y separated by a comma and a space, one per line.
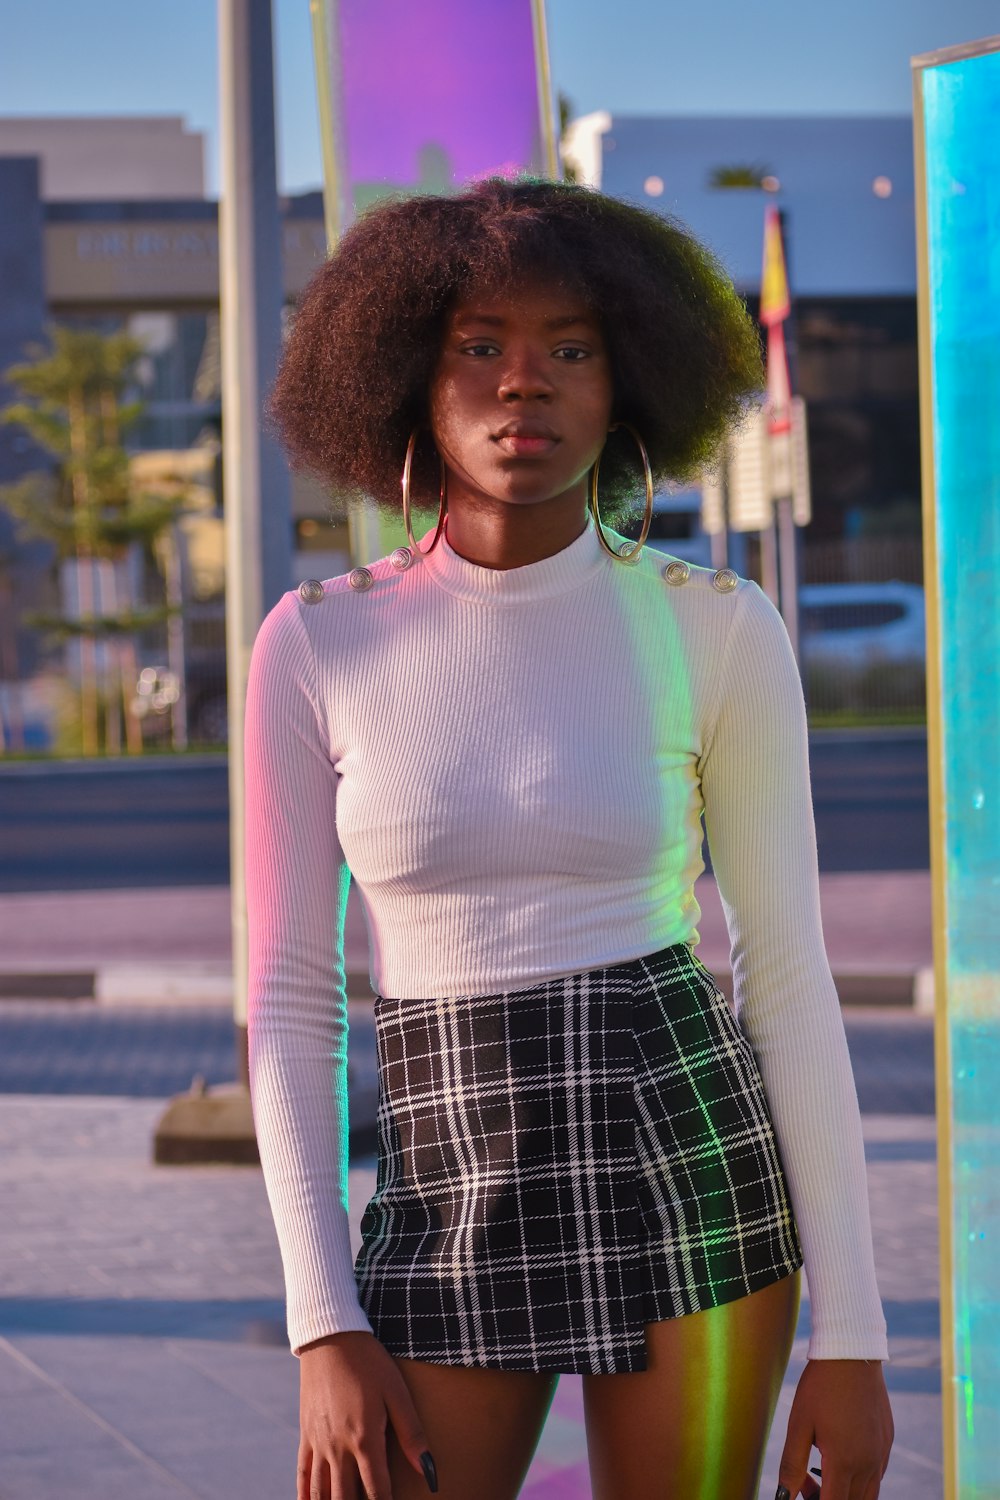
point(356, 368)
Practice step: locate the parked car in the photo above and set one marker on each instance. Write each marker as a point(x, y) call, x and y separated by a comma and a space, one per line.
point(857, 625)
point(158, 689)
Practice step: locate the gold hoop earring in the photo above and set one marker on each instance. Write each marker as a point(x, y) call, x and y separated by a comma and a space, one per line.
point(632, 556)
point(442, 497)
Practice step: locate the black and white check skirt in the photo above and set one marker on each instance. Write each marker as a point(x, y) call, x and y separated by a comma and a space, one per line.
point(560, 1166)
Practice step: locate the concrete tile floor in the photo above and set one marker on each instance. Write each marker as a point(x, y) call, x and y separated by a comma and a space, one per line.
point(142, 1339)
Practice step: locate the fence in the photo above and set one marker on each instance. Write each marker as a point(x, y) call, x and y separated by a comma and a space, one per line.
point(861, 650)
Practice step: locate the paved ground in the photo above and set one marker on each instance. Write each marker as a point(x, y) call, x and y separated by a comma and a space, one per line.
point(175, 942)
point(142, 1339)
point(77, 1047)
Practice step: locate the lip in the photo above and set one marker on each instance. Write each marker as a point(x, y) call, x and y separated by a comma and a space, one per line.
point(526, 439)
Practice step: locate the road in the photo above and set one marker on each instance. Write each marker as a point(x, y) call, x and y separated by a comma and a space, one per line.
point(102, 825)
point(77, 1047)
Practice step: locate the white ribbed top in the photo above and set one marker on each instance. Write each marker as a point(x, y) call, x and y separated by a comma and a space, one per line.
point(513, 764)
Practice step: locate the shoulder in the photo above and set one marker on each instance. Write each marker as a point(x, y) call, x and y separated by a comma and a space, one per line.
point(374, 577)
point(682, 579)
point(301, 610)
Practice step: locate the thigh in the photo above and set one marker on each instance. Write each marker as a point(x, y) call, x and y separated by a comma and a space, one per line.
point(482, 1428)
point(696, 1421)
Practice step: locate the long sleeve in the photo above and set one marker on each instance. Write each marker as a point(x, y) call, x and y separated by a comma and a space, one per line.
point(296, 885)
point(761, 832)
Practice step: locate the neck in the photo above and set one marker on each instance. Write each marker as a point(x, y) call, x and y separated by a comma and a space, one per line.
point(498, 534)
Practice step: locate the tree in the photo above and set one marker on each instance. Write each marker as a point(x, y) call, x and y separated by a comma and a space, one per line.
point(72, 402)
point(565, 105)
point(741, 175)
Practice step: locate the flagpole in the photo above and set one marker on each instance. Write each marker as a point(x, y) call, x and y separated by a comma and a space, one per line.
point(779, 554)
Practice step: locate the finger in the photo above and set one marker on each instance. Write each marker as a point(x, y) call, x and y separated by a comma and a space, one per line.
point(409, 1431)
point(344, 1481)
point(319, 1480)
point(303, 1472)
point(373, 1467)
point(837, 1481)
point(794, 1463)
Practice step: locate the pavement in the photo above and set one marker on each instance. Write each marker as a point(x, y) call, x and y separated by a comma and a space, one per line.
point(142, 1334)
point(172, 945)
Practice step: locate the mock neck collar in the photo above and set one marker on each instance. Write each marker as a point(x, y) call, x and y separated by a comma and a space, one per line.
point(554, 575)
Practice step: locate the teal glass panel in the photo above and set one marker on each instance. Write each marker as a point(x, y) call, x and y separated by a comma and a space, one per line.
point(961, 122)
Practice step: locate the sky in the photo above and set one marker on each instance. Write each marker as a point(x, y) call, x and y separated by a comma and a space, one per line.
point(724, 57)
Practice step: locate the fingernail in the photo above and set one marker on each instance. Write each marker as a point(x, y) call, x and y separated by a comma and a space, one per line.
point(781, 1493)
point(431, 1473)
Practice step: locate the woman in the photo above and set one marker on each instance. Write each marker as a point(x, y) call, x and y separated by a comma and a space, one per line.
point(507, 732)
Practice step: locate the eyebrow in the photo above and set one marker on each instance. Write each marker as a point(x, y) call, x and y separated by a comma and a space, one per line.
point(495, 321)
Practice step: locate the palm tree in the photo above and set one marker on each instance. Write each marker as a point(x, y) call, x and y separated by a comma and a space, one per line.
point(739, 175)
point(72, 402)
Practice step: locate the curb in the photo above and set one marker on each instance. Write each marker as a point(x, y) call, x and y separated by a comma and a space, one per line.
point(208, 983)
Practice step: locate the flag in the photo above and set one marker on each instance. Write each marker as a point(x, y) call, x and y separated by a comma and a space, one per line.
point(774, 301)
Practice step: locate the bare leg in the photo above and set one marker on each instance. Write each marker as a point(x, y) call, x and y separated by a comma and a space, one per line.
point(482, 1427)
point(694, 1425)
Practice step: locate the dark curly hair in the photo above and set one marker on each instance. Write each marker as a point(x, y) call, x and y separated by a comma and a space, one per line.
point(356, 369)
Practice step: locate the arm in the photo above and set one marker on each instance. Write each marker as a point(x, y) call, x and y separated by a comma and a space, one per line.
point(761, 832)
point(296, 884)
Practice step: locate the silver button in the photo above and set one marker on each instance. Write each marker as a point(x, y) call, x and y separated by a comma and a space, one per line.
point(312, 591)
point(401, 558)
point(725, 580)
point(677, 572)
point(360, 579)
point(624, 548)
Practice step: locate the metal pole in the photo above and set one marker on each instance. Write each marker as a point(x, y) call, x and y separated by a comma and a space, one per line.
point(258, 535)
point(543, 75)
point(788, 563)
point(363, 530)
point(173, 574)
point(769, 562)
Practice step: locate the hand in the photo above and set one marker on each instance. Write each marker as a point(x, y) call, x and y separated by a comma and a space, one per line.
point(842, 1407)
point(350, 1390)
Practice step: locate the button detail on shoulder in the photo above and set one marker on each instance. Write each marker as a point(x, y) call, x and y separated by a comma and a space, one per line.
point(725, 580)
point(677, 572)
point(360, 579)
point(311, 591)
point(401, 558)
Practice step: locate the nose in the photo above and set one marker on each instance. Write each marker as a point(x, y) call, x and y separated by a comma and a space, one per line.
point(525, 375)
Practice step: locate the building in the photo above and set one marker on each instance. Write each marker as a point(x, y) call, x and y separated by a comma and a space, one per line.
point(104, 223)
point(844, 186)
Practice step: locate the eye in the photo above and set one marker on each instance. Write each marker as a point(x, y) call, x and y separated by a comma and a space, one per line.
point(476, 348)
point(571, 349)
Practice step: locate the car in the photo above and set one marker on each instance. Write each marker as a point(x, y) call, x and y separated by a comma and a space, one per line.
point(858, 625)
point(158, 689)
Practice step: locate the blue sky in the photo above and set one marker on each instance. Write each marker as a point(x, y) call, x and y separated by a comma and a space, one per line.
point(64, 57)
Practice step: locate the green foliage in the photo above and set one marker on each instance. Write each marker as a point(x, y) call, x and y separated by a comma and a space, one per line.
point(72, 404)
point(71, 399)
point(740, 175)
point(99, 627)
point(881, 692)
point(565, 106)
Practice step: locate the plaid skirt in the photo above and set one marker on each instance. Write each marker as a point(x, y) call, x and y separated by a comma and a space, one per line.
point(561, 1165)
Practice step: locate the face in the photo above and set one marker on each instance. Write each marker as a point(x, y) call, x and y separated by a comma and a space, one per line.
point(521, 397)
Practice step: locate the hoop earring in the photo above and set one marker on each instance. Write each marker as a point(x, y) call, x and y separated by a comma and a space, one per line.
point(632, 556)
point(407, 522)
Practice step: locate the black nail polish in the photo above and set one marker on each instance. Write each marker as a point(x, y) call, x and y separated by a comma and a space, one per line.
point(431, 1473)
point(781, 1493)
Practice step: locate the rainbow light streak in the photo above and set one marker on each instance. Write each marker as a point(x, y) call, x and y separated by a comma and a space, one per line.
point(961, 348)
point(436, 94)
